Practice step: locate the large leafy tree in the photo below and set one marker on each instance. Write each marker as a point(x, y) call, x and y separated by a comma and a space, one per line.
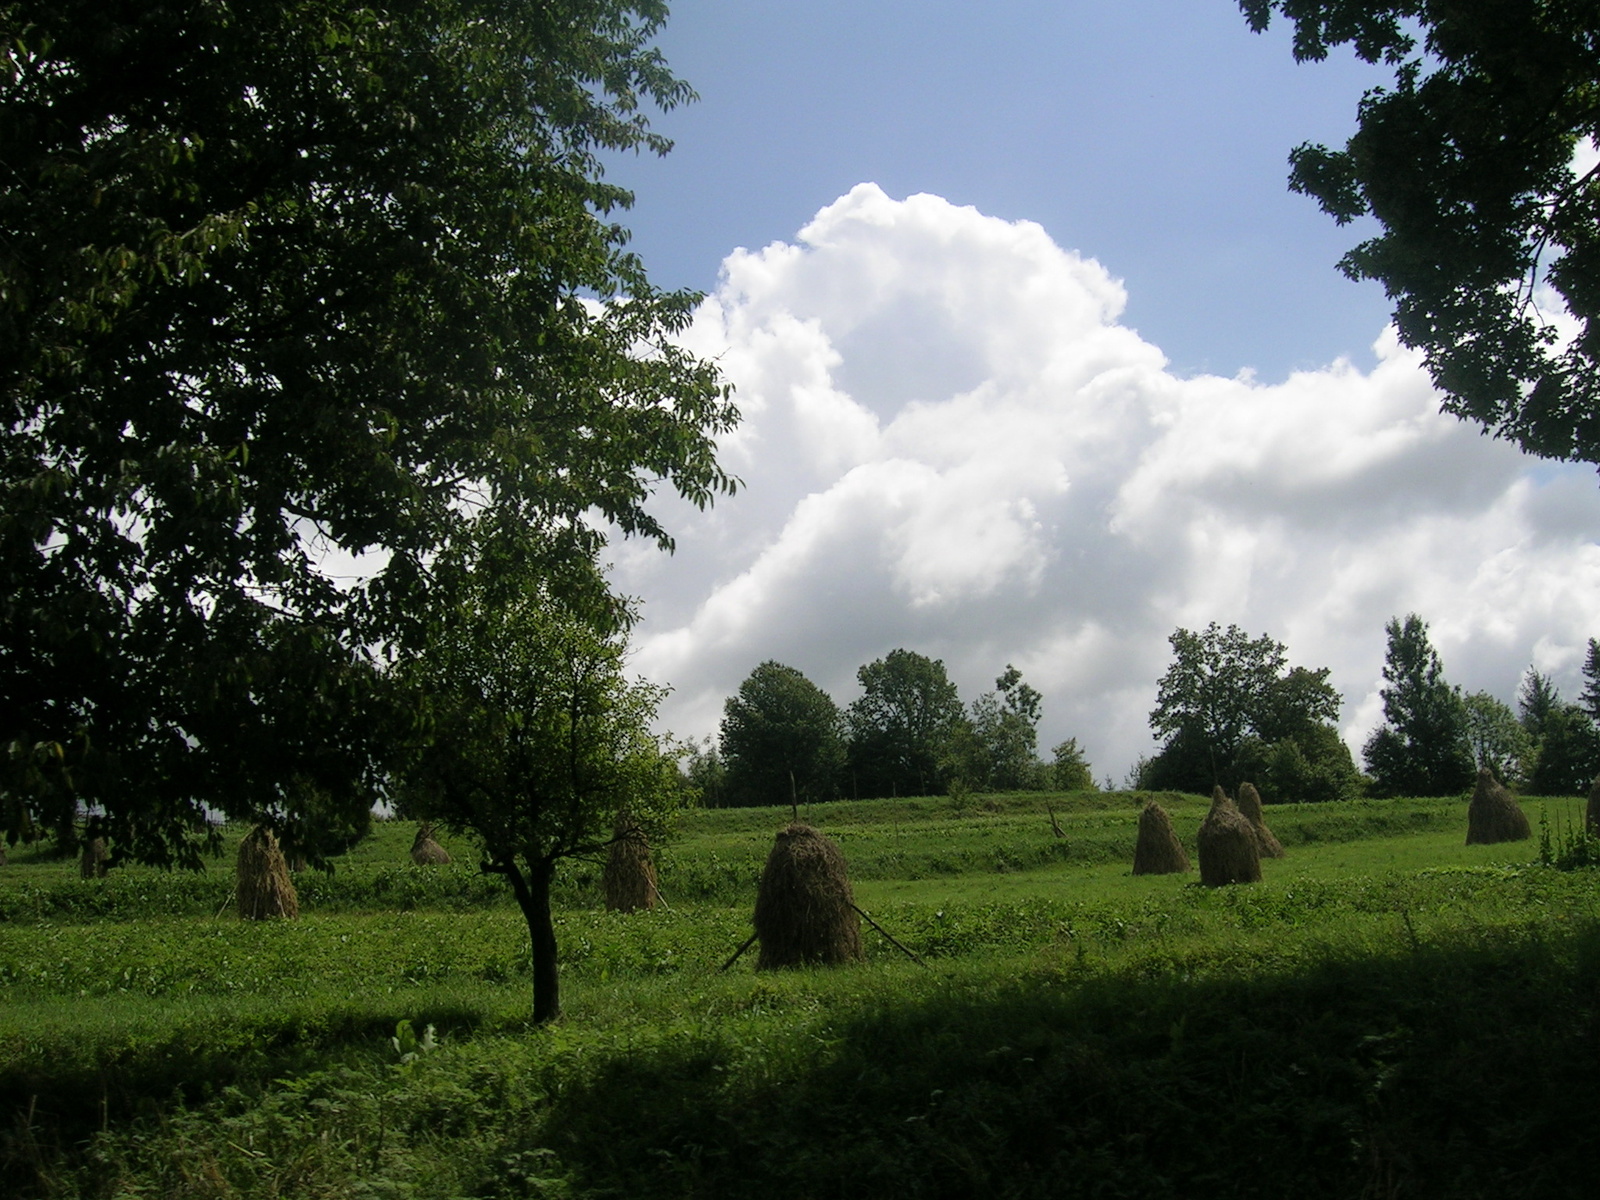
point(1422, 748)
point(1230, 708)
point(1567, 757)
point(533, 741)
point(1465, 160)
point(782, 739)
point(903, 725)
point(1005, 726)
point(1214, 693)
point(305, 309)
point(1497, 739)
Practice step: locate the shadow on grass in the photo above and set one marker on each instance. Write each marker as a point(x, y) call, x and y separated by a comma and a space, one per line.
point(1458, 1072)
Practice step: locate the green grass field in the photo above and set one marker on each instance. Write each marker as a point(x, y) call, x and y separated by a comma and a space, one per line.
point(1390, 1012)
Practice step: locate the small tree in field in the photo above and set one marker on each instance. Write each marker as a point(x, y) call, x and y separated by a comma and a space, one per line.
point(535, 740)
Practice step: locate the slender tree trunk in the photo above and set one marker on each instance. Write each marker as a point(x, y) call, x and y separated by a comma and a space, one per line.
point(533, 897)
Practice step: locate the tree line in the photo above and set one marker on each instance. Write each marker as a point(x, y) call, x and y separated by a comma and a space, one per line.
point(1232, 710)
point(784, 740)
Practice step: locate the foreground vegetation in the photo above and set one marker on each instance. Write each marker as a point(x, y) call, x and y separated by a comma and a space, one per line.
point(1390, 1012)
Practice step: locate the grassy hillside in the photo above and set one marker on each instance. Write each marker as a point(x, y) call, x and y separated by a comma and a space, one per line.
point(1388, 1012)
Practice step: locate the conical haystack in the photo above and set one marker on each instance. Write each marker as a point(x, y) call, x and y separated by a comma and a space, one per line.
point(630, 876)
point(265, 889)
point(1228, 849)
point(1592, 817)
point(1158, 851)
point(805, 911)
point(1494, 814)
point(1250, 809)
point(426, 852)
point(92, 863)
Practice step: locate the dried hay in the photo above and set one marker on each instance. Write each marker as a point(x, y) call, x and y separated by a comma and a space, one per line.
point(630, 877)
point(1229, 852)
point(805, 910)
point(426, 852)
point(1250, 809)
point(1494, 814)
point(1592, 815)
point(264, 887)
point(92, 864)
point(1158, 851)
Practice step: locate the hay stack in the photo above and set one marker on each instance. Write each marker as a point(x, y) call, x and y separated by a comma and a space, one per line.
point(1592, 816)
point(1158, 851)
point(265, 889)
point(1229, 852)
point(1250, 809)
point(92, 865)
point(630, 877)
point(426, 852)
point(1494, 814)
point(805, 911)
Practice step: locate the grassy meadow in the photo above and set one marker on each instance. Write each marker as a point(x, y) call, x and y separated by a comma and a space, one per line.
point(1389, 1013)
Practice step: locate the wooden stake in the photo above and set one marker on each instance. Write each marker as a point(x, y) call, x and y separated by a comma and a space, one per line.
point(909, 954)
point(738, 952)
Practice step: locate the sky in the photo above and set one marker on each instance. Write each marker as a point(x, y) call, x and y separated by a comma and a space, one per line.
point(1039, 359)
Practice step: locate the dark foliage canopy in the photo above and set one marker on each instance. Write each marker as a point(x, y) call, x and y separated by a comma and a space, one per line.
point(1422, 748)
point(1465, 160)
point(782, 739)
point(1230, 711)
point(902, 726)
point(1567, 758)
point(283, 285)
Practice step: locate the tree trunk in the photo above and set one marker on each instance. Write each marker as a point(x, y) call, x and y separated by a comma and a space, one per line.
point(533, 897)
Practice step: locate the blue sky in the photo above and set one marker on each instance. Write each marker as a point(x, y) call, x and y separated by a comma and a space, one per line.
point(1150, 134)
point(1039, 359)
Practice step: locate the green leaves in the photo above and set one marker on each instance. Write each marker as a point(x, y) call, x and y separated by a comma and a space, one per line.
point(1466, 162)
point(315, 283)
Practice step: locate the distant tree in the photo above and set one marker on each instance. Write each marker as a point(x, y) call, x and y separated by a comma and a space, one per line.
point(902, 725)
point(704, 776)
point(1590, 697)
point(1537, 698)
point(1069, 768)
point(534, 740)
point(1313, 766)
point(1422, 749)
point(781, 739)
point(1215, 692)
point(1226, 700)
point(1465, 161)
point(1005, 724)
point(1567, 757)
point(1497, 739)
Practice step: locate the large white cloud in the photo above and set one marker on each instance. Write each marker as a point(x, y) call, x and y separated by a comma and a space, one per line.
point(950, 444)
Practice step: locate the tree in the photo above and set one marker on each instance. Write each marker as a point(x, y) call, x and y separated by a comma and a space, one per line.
point(781, 739)
point(1567, 758)
point(901, 725)
point(1005, 725)
point(1537, 698)
point(1070, 771)
point(1422, 748)
point(705, 777)
point(1311, 767)
point(1465, 160)
point(1496, 738)
point(1590, 698)
point(282, 287)
point(533, 741)
point(1227, 702)
point(1215, 692)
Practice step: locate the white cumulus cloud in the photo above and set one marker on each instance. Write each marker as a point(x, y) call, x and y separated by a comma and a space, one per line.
point(950, 444)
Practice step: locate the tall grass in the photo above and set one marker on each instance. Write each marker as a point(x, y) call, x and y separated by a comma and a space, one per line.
point(1389, 1012)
